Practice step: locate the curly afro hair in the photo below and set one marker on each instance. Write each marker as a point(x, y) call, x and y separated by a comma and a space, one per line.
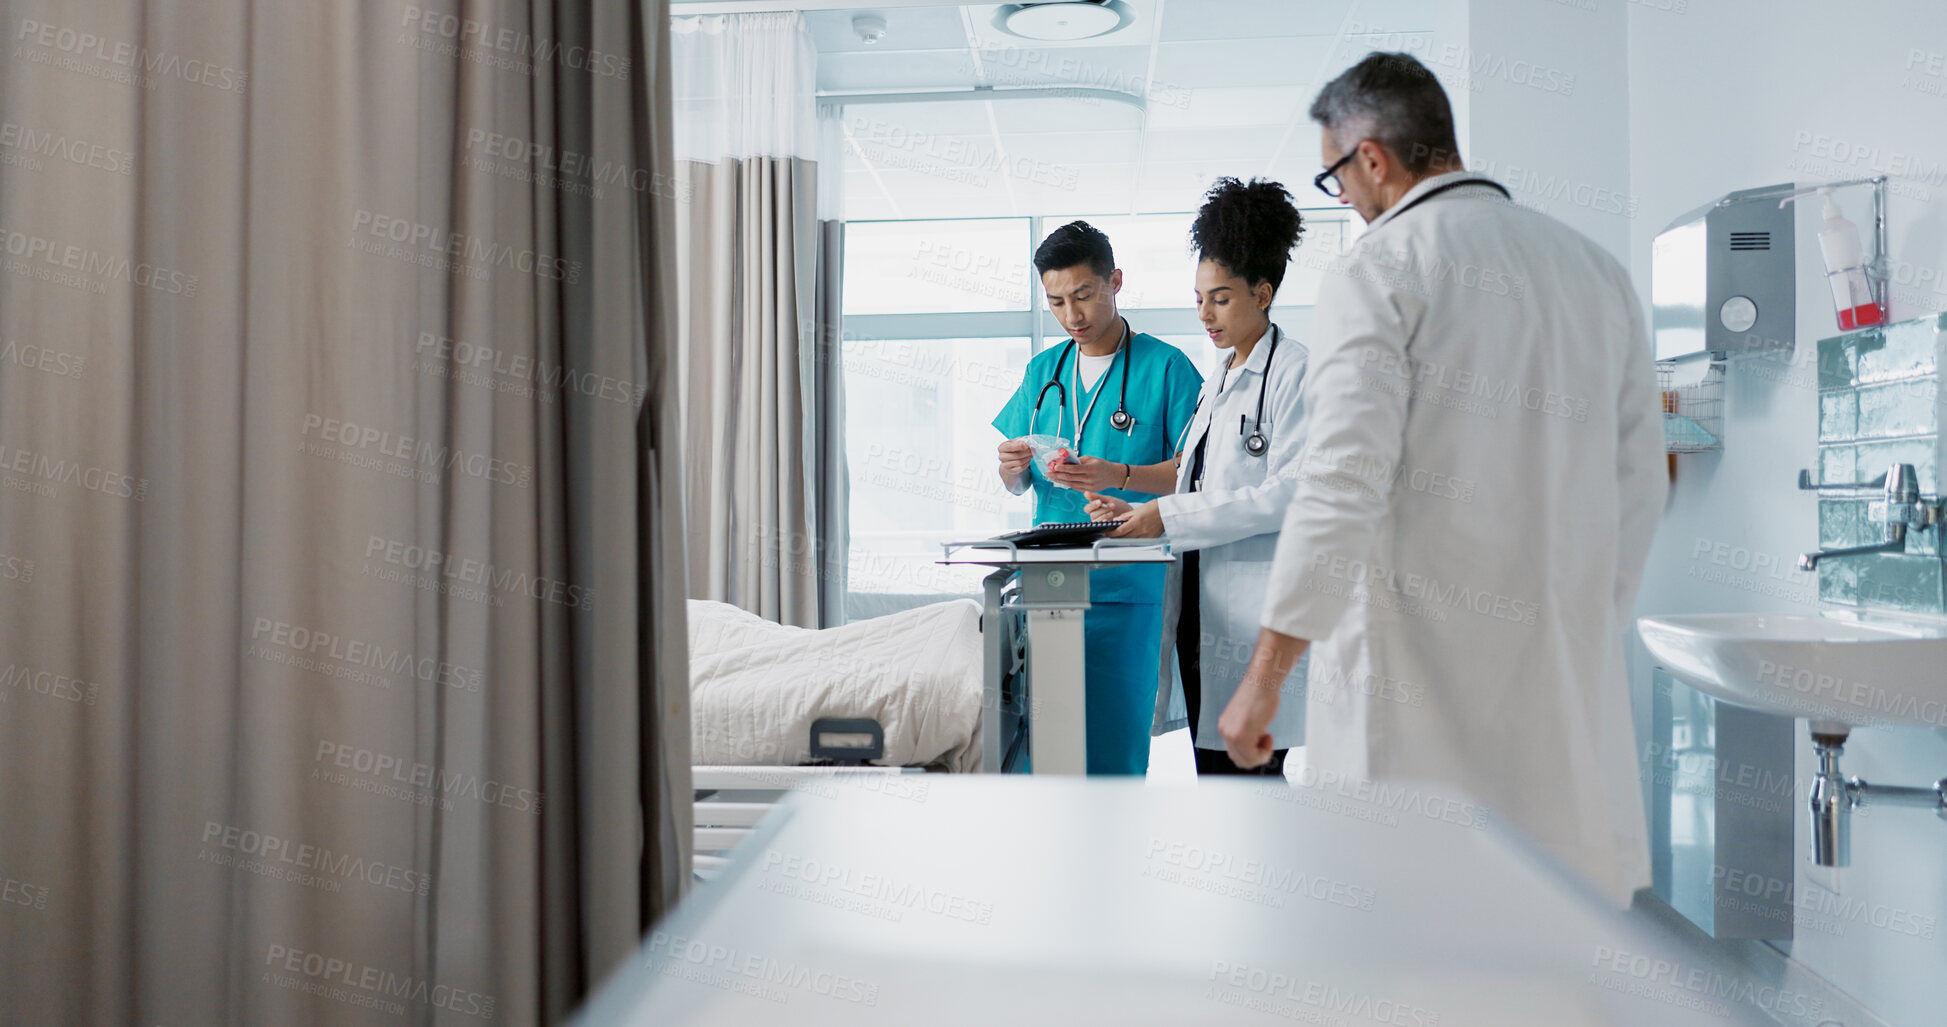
point(1248, 227)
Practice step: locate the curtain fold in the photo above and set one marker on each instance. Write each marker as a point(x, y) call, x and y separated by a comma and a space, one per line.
point(745, 109)
point(833, 477)
point(346, 681)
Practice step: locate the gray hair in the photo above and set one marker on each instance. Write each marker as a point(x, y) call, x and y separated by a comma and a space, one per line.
point(1393, 98)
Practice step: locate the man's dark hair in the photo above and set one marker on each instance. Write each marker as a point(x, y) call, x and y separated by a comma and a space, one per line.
point(1393, 98)
point(1248, 227)
point(1076, 242)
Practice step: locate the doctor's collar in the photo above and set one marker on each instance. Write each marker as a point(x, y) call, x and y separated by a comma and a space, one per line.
point(1432, 184)
point(1260, 351)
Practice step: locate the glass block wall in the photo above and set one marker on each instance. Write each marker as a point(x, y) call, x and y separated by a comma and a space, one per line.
point(1879, 404)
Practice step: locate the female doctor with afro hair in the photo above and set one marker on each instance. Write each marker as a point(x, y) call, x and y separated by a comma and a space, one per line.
point(1237, 468)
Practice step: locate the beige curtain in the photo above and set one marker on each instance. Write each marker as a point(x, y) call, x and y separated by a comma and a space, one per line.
point(747, 304)
point(342, 676)
point(748, 232)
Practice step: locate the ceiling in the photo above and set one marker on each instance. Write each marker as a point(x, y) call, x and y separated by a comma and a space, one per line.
point(1226, 83)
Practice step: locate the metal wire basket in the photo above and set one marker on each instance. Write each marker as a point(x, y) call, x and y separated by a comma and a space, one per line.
point(1693, 415)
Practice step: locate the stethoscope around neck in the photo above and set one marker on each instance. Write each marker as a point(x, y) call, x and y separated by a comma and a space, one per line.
point(1256, 443)
point(1121, 420)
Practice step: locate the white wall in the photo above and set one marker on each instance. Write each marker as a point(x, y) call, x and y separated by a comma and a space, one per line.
point(1547, 89)
point(1728, 94)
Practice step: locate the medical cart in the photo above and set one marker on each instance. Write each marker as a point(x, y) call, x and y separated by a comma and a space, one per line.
point(1034, 678)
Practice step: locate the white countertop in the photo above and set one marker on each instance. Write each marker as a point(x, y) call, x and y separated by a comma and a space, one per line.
point(933, 899)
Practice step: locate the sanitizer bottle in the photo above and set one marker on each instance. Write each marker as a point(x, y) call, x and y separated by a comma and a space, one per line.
point(1845, 268)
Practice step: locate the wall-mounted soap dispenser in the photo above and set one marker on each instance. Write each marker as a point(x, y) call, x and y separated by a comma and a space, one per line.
point(1724, 277)
point(1857, 285)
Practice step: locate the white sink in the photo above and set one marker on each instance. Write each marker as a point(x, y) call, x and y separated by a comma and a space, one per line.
point(1837, 673)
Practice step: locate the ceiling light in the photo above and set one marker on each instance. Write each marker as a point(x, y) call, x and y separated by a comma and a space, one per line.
point(1063, 20)
point(870, 27)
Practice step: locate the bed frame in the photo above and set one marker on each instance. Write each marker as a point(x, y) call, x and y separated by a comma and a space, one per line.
point(731, 800)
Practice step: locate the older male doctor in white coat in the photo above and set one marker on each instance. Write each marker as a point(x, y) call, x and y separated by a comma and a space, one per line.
point(1484, 472)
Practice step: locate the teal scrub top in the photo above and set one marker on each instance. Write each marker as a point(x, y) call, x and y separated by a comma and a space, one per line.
point(1163, 388)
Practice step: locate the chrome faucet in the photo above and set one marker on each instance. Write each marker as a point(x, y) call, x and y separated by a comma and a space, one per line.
point(1901, 507)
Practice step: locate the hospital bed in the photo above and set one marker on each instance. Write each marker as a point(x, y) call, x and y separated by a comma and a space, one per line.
point(773, 707)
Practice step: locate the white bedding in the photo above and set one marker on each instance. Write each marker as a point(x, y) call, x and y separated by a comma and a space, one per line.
point(755, 686)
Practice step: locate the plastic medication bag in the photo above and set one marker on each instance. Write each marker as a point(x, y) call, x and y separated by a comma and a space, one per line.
point(1050, 450)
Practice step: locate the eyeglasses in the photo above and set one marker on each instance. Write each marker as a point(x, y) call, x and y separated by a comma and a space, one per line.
point(1337, 188)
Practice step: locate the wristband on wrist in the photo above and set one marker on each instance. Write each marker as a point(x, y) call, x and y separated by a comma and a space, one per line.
point(1126, 472)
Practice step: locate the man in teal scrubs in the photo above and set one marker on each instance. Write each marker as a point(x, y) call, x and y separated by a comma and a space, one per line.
point(1124, 400)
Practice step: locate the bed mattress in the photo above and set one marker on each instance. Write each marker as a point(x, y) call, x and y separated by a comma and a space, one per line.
point(756, 687)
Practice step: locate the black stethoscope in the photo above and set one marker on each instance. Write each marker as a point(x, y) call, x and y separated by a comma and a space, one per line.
point(1437, 190)
point(1121, 420)
point(1256, 443)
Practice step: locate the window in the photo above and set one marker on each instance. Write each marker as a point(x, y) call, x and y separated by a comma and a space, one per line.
point(916, 267)
point(940, 318)
point(920, 451)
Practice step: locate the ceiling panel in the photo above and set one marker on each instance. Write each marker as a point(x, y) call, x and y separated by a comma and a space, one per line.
point(1397, 14)
point(897, 121)
point(948, 158)
point(1272, 61)
point(1226, 84)
point(1227, 146)
point(1065, 115)
point(1123, 68)
point(895, 71)
point(1252, 19)
point(1094, 187)
point(907, 28)
point(1076, 147)
point(1357, 45)
point(1231, 107)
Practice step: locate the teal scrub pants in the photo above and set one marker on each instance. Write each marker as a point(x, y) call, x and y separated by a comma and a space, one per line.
point(1120, 646)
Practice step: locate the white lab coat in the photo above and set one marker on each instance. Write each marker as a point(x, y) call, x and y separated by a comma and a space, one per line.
point(1484, 475)
point(1232, 521)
